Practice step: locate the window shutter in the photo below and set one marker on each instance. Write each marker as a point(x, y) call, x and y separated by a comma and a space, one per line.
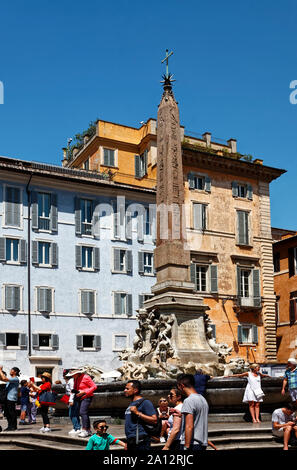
point(129, 261)
point(23, 340)
point(54, 213)
point(12, 298)
point(292, 311)
point(117, 303)
point(128, 228)
point(239, 334)
point(84, 302)
point(77, 216)
point(145, 160)
point(79, 342)
point(129, 305)
point(8, 207)
point(213, 327)
point(140, 262)
point(197, 216)
point(2, 249)
point(213, 278)
point(152, 218)
point(207, 184)
point(13, 207)
point(234, 188)
point(191, 181)
point(137, 166)
point(291, 259)
point(255, 334)
point(91, 302)
point(78, 256)
point(243, 235)
point(34, 252)
point(203, 221)
point(54, 253)
point(193, 275)
point(17, 298)
point(96, 221)
point(55, 341)
point(2, 340)
point(40, 300)
point(97, 259)
point(35, 341)
point(140, 225)
point(256, 288)
point(140, 300)
point(238, 278)
point(17, 208)
point(249, 191)
point(34, 210)
point(23, 251)
point(97, 342)
point(116, 221)
point(116, 259)
point(49, 300)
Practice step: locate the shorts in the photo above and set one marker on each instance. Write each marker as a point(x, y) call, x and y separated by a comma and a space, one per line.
point(293, 393)
point(24, 407)
point(278, 432)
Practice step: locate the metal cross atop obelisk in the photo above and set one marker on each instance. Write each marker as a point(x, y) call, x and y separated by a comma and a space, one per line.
point(166, 58)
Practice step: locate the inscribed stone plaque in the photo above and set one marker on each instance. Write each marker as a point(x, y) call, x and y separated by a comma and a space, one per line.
point(188, 336)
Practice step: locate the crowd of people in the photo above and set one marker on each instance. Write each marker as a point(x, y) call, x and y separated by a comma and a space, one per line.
point(180, 421)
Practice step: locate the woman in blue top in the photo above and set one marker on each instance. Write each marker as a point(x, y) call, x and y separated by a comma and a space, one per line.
point(12, 387)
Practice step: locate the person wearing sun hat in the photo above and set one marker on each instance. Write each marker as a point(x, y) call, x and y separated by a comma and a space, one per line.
point(44, 387)
point(290, 379)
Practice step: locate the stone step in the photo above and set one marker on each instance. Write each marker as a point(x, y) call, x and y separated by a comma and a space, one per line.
point(234, 417)
point(33, 444)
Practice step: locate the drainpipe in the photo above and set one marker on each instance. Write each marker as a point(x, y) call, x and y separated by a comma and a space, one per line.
point(29, 266)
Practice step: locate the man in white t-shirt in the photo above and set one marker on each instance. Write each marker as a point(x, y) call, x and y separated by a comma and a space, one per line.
point(284, 422)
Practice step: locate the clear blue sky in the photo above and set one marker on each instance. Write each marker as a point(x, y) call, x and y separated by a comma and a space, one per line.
point(65, 63)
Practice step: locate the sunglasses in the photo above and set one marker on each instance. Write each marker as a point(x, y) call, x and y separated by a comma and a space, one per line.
point(163, 400)
point(103, 427)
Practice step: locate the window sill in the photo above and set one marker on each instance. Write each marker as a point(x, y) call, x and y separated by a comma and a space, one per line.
point(248, 344)
point(10, 348)
point(244, 245)
point(13, 263)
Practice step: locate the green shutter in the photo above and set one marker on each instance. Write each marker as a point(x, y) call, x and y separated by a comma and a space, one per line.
point(256, 288)
point(55, 341)
point(54, 213)
point(234, 185)
point(213, 278)
point(34, 252)
point(23, 341)
point(117, 304)
point(197, 216)
point(255, 334)
point(91, 302)
point(137, 166)
point(2, 340)
point(249, 191)
point(238, 279)
point(97, 342)
point(239, 334)
point(243, 227)
point(96, 221)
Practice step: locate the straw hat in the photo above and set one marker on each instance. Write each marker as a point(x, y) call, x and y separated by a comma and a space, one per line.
point(73, 372)
point(46, 374)
point(292, 361)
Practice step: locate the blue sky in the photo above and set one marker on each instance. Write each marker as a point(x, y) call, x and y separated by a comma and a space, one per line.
point(65, 63)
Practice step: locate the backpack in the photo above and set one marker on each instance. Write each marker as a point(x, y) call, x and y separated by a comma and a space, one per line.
point(153, 430)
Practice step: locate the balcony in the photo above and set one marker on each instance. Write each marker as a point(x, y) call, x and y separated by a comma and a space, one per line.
point(247, 303)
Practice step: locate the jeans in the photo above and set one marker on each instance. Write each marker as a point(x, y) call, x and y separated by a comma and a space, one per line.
point(32, 411)
point(44, 414)
point(144, 444)
point(84, 412)
point(11, 414)
point(74, 415)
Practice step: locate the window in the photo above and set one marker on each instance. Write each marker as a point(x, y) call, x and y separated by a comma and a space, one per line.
point(245, 283)
point(44, 208)
point(123, 303)
point(44, 299)
point(108, 157)
point(204, 277)
point(247, 334)
point(12, 250)
point(122, 261)
point(276, 262)
point(45, 340)
point(86, 216)
point(243, 227)
point(199, 216)
point(87, 302)
point(145, 262)
point(200, 182)
point(87, 341)
point(242, 190)
point(87, 219)
point(141, 164)
point(248, 287)
point(87, 258)
point(147, 222)
point(13, 298)
point(87, 165)
point(292, 258)
point(44, 254)
point(44, 211)
point(119, 342)
point(13, 340)
point(12, 207)
point(293, 311)
point(142, 298)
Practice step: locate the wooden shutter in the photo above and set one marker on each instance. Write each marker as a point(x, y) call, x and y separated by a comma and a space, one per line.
point(203, 219)
point(78, 256)
point(116, 259)
point(191, 180)
point(193, 275)
point(239, 334)
point(23, 251)
point(249, 191)
point(117, 304)
point(234, 185)
point(77, 216)
point(129, 305)
point(238, 279)
point(23, 341)
point(97, 342)
point(55, 341)
point(8, 206)
point(128, 226)
point(140, 262)
point(34, 252)
point(97, 258)
point(213, 278)
point(137, 166)
point(2, 249)
point(140, 300)
point(256, 288)
point(54, 213)
point(255, 334)
point(291, 259)
point(79, 341)
point(54, 254)
point(34, 210)
point(197, 216)
point(243, 228)
point(293, 311)
point(129, 261)
point(207, 186)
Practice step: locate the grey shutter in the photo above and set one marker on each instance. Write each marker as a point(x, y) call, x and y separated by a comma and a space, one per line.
point(203, 220)
point(79, 342)
point(17, 208)
point(234, 188)
point(91, 302)
point(96, 221)
point(117, 303)
point(116, 259)
point(239, 334)
point(34, 210)
point(191, 181)
point(8, 297)
point(137, 166)
point(48, 300)
point(55, 341)
point(13, 207)
point(84, 302)
point(145, 158)
point(207, 184)
point(54, 213)
point(97, 259)
point(77, 216)
point(255, 334)
point(140, 225)
point(197, 216)
point(249, 191)
point(193, 275)
point(23, 251)
point(17, 298)
point(128, 228)
point(34, 252)
point(238, 281)
point(129, 305)
point(140, 262)
point(54, 254)
point(116, 221)
point(97, 342)
point(35, 341)
point(241, 226)
point(8, 206)
point(78, 256)
point(2, 249)
point(23, 340)
point(256, 288)
point(140, 300)
point(2, 340)
point(129, 261)
point(152, 218)
point(40, 300)
point(213, 278)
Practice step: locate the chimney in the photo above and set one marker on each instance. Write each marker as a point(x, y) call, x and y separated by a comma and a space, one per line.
point(64, 161)
point(233, 145)
point(207, 137)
